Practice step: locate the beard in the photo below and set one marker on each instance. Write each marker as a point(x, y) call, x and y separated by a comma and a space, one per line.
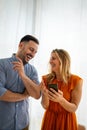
point(24, 62)
point(23, 59)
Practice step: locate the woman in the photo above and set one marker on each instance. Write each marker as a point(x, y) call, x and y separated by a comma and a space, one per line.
point(60, 105)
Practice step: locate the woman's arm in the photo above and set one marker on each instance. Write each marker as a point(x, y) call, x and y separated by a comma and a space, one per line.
point(44, 101)
point(75, 97)
point(44, 98)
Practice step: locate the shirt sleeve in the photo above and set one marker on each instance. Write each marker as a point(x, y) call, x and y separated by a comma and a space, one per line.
point(34, 75)
point(2, 80)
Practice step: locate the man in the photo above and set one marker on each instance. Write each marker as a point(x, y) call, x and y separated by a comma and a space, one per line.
point(16, 85)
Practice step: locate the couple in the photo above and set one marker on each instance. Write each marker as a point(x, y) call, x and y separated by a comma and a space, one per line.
point(19, 81)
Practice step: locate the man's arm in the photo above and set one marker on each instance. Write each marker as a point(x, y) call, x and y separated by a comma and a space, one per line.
point(32, 88)
point(9, 96)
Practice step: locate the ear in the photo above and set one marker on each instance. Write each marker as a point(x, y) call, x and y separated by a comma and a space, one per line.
point(21, 45)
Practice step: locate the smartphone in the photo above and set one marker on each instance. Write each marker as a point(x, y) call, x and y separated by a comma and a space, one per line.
point(54, 86)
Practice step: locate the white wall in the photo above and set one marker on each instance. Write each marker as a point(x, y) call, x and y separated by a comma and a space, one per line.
point(16, 20)
point(63, 24)
point(57, 24)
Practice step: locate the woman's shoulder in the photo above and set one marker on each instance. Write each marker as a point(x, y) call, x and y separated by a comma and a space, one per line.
point(74, 76)
point(74, 81)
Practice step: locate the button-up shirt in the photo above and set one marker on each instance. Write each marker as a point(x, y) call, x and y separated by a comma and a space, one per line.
point(14, 115)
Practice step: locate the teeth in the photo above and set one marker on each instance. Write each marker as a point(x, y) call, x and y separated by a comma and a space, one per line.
point(29, 57)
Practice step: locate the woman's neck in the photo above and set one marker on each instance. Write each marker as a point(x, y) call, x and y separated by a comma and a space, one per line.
point(58, 77)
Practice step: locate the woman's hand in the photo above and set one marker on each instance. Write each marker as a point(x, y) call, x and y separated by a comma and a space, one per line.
point(44, 90)
point(55, 96)
point(44, 93)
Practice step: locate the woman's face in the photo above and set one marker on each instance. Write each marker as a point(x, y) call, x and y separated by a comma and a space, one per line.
point(54, 62)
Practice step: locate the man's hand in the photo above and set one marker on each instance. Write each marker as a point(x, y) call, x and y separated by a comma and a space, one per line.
point(18, 66)
point(26, 94)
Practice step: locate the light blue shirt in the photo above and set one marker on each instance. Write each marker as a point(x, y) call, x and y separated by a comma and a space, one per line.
point(14, 115)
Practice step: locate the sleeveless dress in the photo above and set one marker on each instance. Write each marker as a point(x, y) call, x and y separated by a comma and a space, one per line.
point(55, 116)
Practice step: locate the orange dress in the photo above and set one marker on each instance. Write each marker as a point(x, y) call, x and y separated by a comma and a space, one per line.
point(55, 116)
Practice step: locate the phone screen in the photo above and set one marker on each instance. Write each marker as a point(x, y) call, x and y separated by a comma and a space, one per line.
point(54, 86)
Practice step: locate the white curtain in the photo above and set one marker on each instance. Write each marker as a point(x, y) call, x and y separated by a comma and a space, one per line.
point(16, 20)
point(57, 24)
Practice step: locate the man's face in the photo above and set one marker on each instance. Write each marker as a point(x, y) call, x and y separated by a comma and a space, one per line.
point(27, 51)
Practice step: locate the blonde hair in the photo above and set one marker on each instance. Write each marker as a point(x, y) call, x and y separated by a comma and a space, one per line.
point(65, 61)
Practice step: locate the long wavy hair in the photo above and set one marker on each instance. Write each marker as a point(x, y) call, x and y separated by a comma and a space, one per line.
point(64, 68)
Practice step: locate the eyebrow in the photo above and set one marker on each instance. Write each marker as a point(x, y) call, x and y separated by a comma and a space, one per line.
point(31, 48)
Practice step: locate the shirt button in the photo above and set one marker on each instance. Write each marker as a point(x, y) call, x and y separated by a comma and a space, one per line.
point(16, 115)
point(16, 105)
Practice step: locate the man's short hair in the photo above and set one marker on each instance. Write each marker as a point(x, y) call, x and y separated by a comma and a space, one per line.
point(27, 38)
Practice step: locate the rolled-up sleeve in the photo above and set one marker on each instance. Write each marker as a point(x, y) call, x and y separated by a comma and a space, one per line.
point(34, 75)
point(2, 90)
point(2, 80)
